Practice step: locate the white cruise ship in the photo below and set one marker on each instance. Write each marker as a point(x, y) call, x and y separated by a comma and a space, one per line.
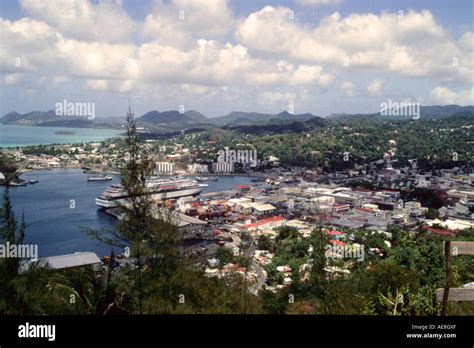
point(156, 187)
point(99, 178)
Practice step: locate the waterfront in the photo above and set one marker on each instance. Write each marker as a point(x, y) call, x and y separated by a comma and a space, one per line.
point(14, 135)
point(63, 201)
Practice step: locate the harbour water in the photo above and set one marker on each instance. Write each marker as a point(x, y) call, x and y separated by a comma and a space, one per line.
point(63, 201)
point(14, 135)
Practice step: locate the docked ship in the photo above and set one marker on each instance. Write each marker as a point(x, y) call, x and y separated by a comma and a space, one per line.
point(206, 178)
point(99, 178)
point(157, 188)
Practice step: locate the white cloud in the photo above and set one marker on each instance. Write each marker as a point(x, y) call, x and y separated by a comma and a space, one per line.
point(94, 59)
point(97, 85)
point(375, 87)
point(347, 87)
point(194, 89)
point(467, 40)
point(414, 45)
point(124, 86)
point(211, 63)
point(12, 79)
point(281, 98)
point(270, 30)
point(59, 79)
point(202, 62)
point(444, 95)
point(180, 22)
point(80, 19)
point(305, 75)
point(26, 45)
point(210, 18)
point(271, 58)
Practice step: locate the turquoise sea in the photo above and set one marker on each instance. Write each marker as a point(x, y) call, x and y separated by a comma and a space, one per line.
point(14, 135)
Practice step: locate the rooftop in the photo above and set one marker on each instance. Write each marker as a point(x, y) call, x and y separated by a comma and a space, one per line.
point(71, 260)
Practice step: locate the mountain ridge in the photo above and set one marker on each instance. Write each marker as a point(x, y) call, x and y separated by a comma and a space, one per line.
point(174, 118)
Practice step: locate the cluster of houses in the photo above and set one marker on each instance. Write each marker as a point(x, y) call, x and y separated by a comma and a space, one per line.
point(258, 209)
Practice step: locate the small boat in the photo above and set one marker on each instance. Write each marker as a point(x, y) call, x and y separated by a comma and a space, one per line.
point(64, 132)
point(257, 180)
point(99, 178)
point(205, 178)
point(34, 181)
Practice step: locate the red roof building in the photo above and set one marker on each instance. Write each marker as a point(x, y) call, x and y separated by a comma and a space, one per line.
point(270, 222)
point(335, 233)
point(446, 233)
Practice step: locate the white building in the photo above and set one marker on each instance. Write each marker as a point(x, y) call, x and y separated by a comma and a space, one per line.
point(223, 167)
point(198, 168)
point(422, 182)
point(164, 168)
point(273, 159)
point(78, 259)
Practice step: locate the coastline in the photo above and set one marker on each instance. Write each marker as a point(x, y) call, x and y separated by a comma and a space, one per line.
point(111, 171)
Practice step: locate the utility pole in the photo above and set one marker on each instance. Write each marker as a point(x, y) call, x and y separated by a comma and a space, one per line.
point(449, 275)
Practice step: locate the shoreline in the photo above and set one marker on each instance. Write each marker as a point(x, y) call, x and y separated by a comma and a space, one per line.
point(113, 172)
point(95, 171)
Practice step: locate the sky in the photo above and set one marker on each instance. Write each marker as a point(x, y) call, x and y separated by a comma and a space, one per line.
point(218, 56)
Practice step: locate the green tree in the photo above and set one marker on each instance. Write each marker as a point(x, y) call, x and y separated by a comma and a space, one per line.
point(284, 232)
point(264, 243)
point(432, 214)
point(318, 281)
point(225, 256)
point(274, 303)
point(10, 234)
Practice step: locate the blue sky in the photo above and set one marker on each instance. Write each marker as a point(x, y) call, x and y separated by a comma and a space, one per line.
point(217, 56)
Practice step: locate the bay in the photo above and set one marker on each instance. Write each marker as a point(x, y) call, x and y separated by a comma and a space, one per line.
point(54, 223)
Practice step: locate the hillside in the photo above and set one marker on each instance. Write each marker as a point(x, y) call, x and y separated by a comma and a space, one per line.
point(247, 118)
point(426, 112)
point(241, 121)
point(31, 118)
point(278, 126)
point(163, 118)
